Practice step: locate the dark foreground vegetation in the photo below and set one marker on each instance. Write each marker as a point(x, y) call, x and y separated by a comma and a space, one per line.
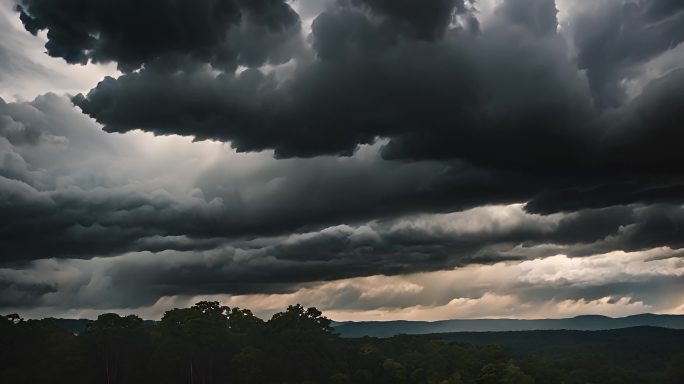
point(208, 343)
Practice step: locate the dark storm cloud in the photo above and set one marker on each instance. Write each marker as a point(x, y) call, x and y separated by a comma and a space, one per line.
point(527, 129)
point(398, 112)
point(79, 222)
point(536, 15)
point(285, 264)
point(447, 97)
point(43, 221)
point(53, 179)
point(131, 33)
point(426, 20)
point(636, 158)
point(612, 37)
point(657, 225)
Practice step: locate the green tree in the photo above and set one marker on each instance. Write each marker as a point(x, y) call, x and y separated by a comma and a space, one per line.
point(394, 370)
point(120, 345)
point(38, 351)
point(296, 317)
point(503, 373)
point(204, 340)
point(302, 346)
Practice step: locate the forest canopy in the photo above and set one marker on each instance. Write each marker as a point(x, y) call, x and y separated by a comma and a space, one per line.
point(210, 343)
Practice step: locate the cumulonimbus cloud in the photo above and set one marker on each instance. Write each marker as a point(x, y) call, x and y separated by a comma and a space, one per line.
point(393, 137)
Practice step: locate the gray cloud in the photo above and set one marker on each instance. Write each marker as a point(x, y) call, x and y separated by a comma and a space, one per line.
point(614, 36)
point(536, 15)
point(371, 81)
point(399, 137)
point(427, 21)
point(71, 183)
point(380, 80)
point(223, 33)
point(287, 263)
point(15, 65)
point(556, 286)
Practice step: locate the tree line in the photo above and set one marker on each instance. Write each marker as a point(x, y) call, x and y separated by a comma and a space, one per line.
point(209, 343)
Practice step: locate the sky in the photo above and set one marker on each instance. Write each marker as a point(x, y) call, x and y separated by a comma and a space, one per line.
point(376, 159)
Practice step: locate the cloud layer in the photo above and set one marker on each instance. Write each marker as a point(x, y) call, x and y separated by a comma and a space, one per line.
point(246, 152)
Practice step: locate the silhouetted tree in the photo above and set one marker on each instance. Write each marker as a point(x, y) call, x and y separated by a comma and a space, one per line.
point(210, 343)
point(120, 345)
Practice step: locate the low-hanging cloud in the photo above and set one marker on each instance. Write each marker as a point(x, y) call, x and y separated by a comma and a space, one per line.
point(447, 97)
point(223, 33)
point(242, 151)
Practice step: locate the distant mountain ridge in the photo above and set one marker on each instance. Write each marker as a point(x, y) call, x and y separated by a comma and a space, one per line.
point(391, 328)
point(579, 323)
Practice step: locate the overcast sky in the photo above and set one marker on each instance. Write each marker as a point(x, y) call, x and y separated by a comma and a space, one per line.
point(377, 159)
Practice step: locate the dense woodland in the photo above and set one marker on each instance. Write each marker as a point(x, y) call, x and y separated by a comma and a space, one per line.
point(209, 343)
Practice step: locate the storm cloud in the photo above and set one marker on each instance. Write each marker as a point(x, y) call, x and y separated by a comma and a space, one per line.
point(223, 33)
point(440, 95)
point(251, 154)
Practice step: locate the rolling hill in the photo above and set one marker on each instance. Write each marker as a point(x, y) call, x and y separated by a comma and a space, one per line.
point(579, 323)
